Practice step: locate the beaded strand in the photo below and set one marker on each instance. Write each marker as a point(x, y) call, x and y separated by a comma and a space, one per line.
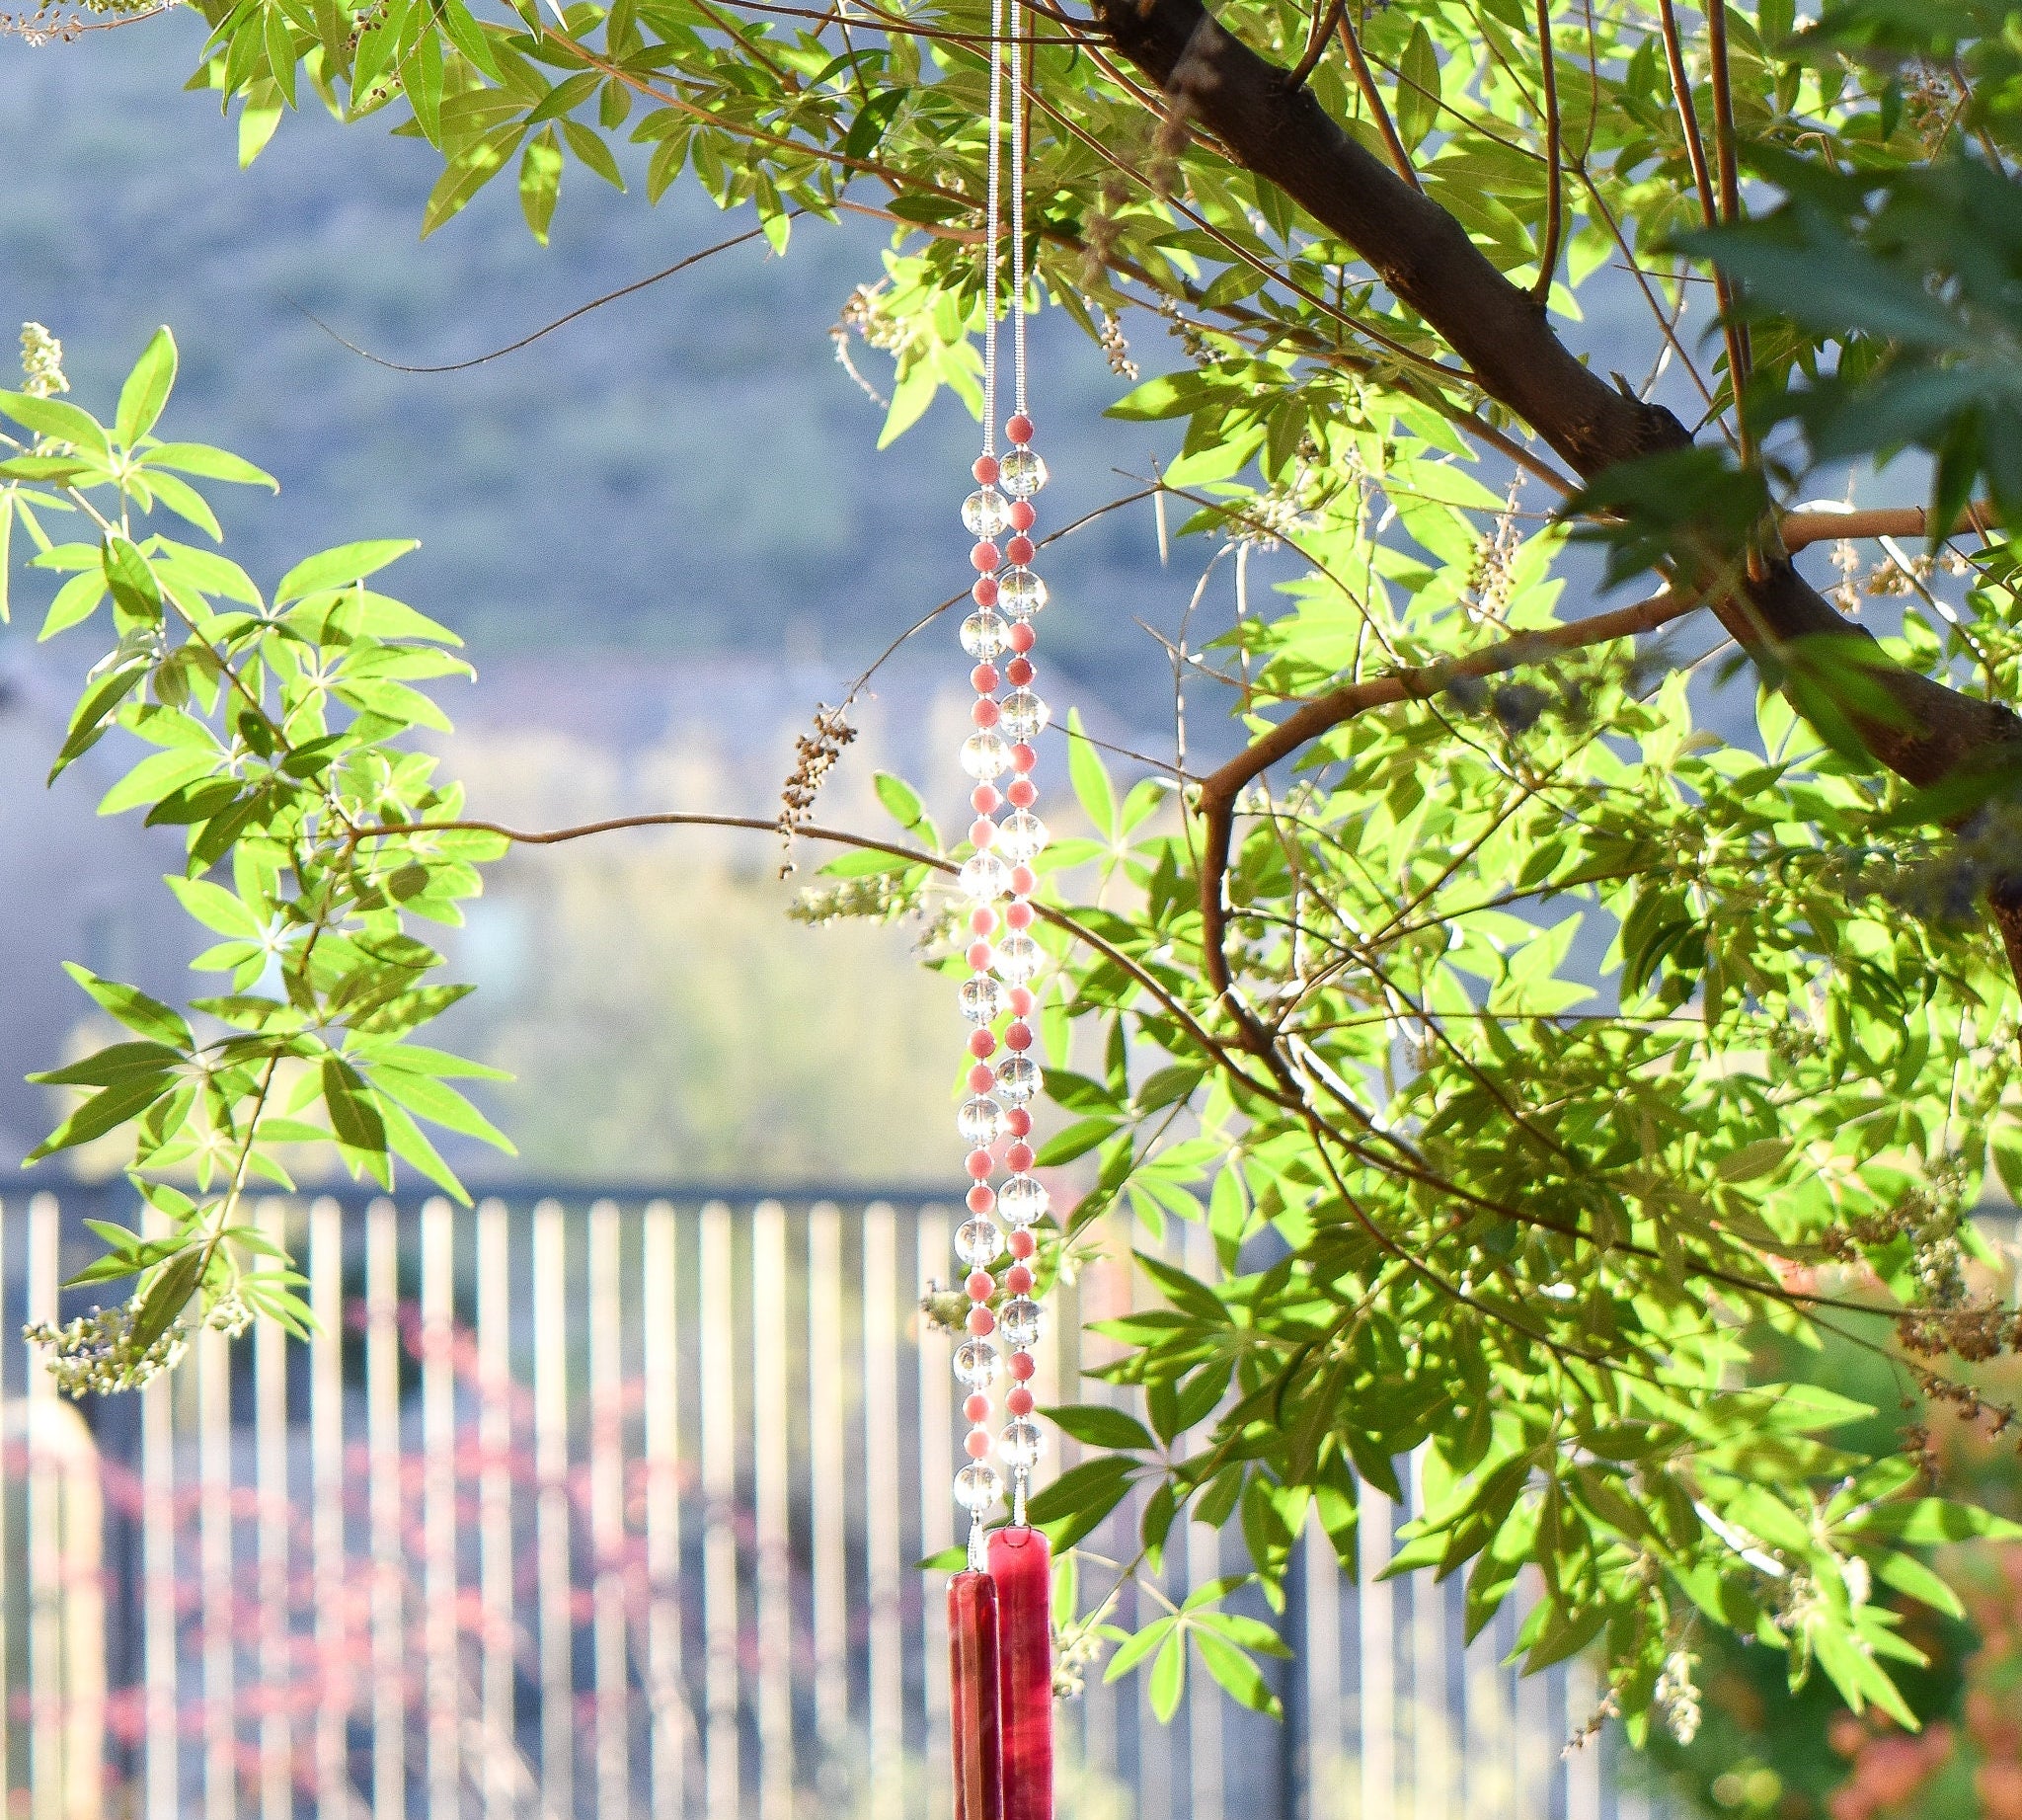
point(1003, 958)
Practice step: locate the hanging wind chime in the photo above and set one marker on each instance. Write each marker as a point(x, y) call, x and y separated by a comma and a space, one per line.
point(999, 1606)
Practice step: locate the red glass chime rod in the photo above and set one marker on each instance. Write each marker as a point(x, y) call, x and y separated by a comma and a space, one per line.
point(1021, 1567)
point(974, 1648)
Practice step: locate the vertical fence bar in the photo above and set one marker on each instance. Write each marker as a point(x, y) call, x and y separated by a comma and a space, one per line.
point(881, 1507)
point(219, 1621)
point(494, 1501)
point(277, 1511)
point(438, 1505)
point(1431, 1762)
point(668, 1686)
point(825, 1497)
point(771, 1462)
point(327, 1478)
point(1204, 1563)
point(551, 1514)
point(607, 1513)
point(7, 1330)
point(43, 1535)
point(1491, 1786)
point(385, 1510)
point(1535, 1757)
point(722, 1768)
point(1324, 1765)
point(1582, 1765)
point(1376, 1707)
point(934, 1256)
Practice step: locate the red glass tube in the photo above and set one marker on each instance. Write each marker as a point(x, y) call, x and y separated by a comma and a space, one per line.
point(973, 1707)
point(1022, 1566)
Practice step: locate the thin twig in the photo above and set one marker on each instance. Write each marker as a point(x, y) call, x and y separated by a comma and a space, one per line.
point(1324, 23)
point(1365, 79)
point(1554, 203)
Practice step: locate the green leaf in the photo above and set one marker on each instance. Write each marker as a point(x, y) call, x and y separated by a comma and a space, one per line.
point(540, 182)
point(147, 388)
point(168, 1294)
point(146, 1017)
point(1167, 1685)
point(208, 463)
point(1237, 1672)
point(135, 591)
point(353, 1117)
point(1418, 89)
point(1090, 779)
point(53, 418)
point(1099, 1426)
point(341, 566)
point(106, 1110)
point(901, 800)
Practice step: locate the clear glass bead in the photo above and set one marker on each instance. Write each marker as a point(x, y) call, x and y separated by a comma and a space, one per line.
point(1022, 836)
point(985, 754)
point(1017, 1078)
point(1023, 1200)
point(980, 1121)
point(977, 1486)
point(976, 1363)
point(1020, 593)
point(984, 634)
point(985, 877)
point(1022, 472)
point(1021, 1445)
point(1018, 1321)
point(986, 512)
point(1024, 716)
point(1017, 959)
point(982, 1002)
point(978, 1242)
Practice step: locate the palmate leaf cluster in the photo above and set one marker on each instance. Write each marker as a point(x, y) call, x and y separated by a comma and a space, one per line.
point(1567, 1047)
point(274, 729)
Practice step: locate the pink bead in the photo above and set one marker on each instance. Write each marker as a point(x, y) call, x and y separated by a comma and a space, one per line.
point(1024, 881)
point(985, 468)
point(1017, 1280)
point(1023, 637)
point(985, 593)
point(981, 1284)
point(976, 1444)
point(1019, 1402)
point(1021, 1001)
point(1023, 758)
point(1017, 1035)
point(980, 1044)
point(982, 1077)
point(983, 1196)
point(1022, 1366)
point(980, 955)
point(1019, 550)
point(1018, 916)
point(1023, 793)
point(982, 1321)
point(984, 713)
point(984, 679)
point(1022, 1243)
point(1022, 514)
point(1018, 1122)
point(1018, 1157)
point(981, 832)
point(983, 919)
point(978, 1407)
point(980, 1165)
point(1019, 429)
point(985, 556)
point(1018, 670)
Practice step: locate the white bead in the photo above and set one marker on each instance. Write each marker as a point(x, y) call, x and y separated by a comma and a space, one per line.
point(984, 755)
point(985, 877)
point(980, 1121)
point(1017, 959)
point(1023, 716)
point(977, 1486)
point(984, 634)
point(1022, 1201)
point(1022, 836)
point(983, 1000)
point(1021, 1445)
point(1022, 473)
point(1018, 1319)
point(978, 1242)
point(986, 511)
point(1020, 593)
point(976, 1363)
point(1017, 1078)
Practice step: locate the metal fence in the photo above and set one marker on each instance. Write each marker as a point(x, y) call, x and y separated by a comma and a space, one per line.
point(611, 1506)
